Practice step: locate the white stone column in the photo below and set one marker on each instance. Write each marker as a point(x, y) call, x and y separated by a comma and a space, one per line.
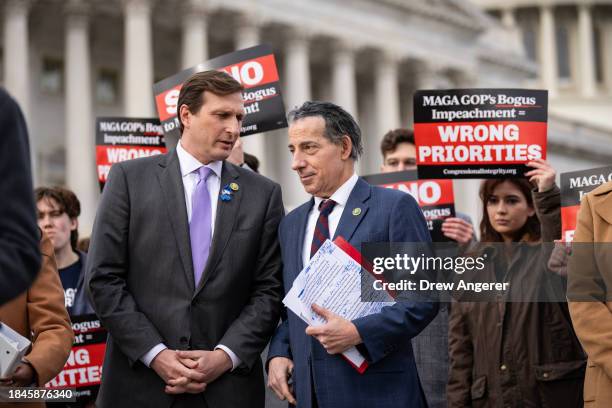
point(508, 19)
point(16, 48)
point(247, 31)
point(607, 54)
point(387, 92)
point(195, 36)
point(428, 75)
point(462, 78)
point(587, 51)
point(80, 155)
point(344, 84)
point(387, 107)
point(297, 69)
point(247, 35)
point(425, 75)
point(344, 81)
point(138, 58)
point(297, 91)
point(548, 50)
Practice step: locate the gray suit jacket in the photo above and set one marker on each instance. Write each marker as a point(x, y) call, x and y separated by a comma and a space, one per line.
point(140, 277)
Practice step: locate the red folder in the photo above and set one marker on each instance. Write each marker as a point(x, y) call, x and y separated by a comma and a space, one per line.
point(367, 265)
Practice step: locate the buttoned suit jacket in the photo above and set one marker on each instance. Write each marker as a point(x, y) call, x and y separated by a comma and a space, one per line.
point(391, 379)
point(141, 280)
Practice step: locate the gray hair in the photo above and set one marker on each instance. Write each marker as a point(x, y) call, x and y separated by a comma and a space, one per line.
point(338, 123)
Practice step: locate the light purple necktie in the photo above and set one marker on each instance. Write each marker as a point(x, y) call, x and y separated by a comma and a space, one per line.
point(200, 225)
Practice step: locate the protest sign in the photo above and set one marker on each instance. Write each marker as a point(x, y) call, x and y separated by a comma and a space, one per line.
point(435, 197)
point(120, 139)
point(254, 68)
point(83, 370)
point(479, 133)
point(574, 185)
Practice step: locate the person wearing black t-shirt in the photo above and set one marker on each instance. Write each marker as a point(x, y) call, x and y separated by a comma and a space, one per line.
point(58, 210)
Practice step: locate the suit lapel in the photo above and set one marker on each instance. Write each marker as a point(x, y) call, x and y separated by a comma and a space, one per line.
point(603, 207)
point(302, 218)
point(227, 214)
point(355, 210)
point(171, 183)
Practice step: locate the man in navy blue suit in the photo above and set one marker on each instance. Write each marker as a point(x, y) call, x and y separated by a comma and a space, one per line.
point(325, 142)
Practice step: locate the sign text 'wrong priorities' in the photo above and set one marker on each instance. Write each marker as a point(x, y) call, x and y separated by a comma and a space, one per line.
point(83, 370)
point(479, 133)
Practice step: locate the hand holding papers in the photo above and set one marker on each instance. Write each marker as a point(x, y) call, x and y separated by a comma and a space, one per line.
point(332, 279)
point(13, 347)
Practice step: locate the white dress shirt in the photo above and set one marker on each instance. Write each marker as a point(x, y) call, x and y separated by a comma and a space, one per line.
point(189, 166)
point(340, 196)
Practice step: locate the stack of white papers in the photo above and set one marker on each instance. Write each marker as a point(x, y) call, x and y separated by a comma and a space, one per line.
point(13, 347)
point(332, 279)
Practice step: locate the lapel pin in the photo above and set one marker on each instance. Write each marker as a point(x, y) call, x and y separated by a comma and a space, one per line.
point(234, 186)
point(356, 211)
point(226, 192)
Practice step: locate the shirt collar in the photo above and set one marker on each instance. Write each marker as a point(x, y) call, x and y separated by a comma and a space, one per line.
point(189, 164)
point(341, 195)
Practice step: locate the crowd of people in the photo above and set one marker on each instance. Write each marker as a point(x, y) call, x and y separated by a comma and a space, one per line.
point(192, 252)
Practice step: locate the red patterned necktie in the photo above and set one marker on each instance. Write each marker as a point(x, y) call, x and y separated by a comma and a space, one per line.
point(321, 232)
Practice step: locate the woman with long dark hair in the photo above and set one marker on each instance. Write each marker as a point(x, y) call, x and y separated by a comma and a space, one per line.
point(516, 353)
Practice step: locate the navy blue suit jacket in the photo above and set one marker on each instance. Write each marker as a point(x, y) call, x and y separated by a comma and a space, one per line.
point(391, 379)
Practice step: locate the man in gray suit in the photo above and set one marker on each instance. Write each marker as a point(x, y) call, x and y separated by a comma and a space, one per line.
point(184, 265)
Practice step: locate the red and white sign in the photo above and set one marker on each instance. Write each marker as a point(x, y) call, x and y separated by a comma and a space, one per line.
point(479, 133)
point(255, 68)
point(435, 197)
point(574, 185)
point(121, 139)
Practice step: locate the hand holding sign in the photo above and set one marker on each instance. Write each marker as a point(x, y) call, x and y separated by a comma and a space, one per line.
point(458, 229)
point(543, 175)
point(557, 262)
point(479, 133)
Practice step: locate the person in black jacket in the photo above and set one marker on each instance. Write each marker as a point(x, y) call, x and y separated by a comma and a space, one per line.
point(19, 235)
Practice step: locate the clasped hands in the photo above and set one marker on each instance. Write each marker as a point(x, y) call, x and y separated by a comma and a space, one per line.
point(189, 371)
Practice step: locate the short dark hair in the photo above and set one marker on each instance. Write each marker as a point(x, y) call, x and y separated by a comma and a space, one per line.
point(68, 203)
point(393, 138)
point(338, 123)
point(251, 161)
point(192, 91)
point(83, 244)
point(532, 225)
